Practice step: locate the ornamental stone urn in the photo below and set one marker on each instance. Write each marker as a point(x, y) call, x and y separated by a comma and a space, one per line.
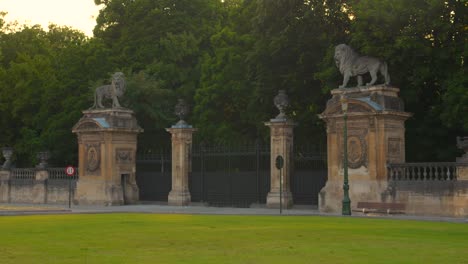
point(181, 110)
point(43, 158)
point(7, 153)
point(281, 102)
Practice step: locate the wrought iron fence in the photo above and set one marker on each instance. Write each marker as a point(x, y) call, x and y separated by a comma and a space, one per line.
point(440, 171)
point(230, 175)
point(153, 174)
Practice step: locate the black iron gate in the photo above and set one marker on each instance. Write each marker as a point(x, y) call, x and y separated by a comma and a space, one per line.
point(230, 175)
point(153, 175)
point(237, 176)
point(310, 174)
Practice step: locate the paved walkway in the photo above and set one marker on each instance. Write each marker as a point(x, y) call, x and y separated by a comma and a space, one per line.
point(30, 209)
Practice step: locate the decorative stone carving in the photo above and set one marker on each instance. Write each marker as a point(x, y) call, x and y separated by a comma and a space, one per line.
point(93, 157)
point(112, 91)
point(281, 102)
point(7, 153)
point(357, 151)
point(394, 151)
point(351, 64)
point(123, 155)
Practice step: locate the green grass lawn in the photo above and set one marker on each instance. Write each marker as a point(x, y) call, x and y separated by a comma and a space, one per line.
point(153, 238)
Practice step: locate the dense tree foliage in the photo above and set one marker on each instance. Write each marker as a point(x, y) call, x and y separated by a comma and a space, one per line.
point(228, 59)
point(425, 45)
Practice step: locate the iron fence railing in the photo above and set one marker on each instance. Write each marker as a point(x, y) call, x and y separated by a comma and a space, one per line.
point(23, 174)
point(438, 171)
point(59, 174)
point(30, 174)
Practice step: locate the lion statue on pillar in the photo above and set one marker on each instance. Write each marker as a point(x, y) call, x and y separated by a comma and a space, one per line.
point(351, 64)
point(112, 91)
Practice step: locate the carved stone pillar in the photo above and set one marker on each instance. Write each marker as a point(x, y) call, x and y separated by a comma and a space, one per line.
point(281, 144)
point(107, 143)
point(181, 164)
point(376, 136)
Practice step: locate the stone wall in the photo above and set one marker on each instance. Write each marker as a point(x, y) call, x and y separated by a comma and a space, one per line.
point(431, 198)
point(36, 190)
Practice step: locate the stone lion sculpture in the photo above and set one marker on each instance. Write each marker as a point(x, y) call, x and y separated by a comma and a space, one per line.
point(351, 64)
point(112, 91)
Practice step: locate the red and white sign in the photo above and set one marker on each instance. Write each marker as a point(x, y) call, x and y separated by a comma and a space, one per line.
point(70, 170)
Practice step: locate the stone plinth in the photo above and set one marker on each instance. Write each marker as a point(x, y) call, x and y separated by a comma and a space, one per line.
point(281, 135)
point(376, 136)
point(181, 164)
point(107, 143)
point(4, 186)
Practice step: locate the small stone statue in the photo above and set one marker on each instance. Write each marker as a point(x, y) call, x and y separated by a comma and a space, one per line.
point(351, 64)
point(281, 102)
point(112, 91)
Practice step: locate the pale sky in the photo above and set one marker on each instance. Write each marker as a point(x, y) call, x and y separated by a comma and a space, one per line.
point(78, 14)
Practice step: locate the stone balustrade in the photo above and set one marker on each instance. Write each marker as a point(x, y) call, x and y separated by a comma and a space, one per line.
point(427, 171)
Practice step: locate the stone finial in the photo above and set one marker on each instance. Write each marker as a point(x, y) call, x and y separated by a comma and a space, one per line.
point(43, 158)
point(281, 102)
point(181, 110)
point(7, 153)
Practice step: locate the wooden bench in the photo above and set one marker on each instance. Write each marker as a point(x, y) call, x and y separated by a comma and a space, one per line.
point(377, 207)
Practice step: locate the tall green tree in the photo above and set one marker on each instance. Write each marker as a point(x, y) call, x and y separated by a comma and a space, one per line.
point(46, 78)
point(160, 43)
point(256, 54)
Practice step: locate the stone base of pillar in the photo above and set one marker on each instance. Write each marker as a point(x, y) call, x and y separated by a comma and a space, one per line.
point(273, 199)
point(132, 194)
point(179, 198)
point(96, 192)
point(331, 196)
point(4, 186)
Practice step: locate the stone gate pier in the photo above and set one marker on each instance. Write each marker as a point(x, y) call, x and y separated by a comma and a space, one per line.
point(376, 136)
point(107, 143)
